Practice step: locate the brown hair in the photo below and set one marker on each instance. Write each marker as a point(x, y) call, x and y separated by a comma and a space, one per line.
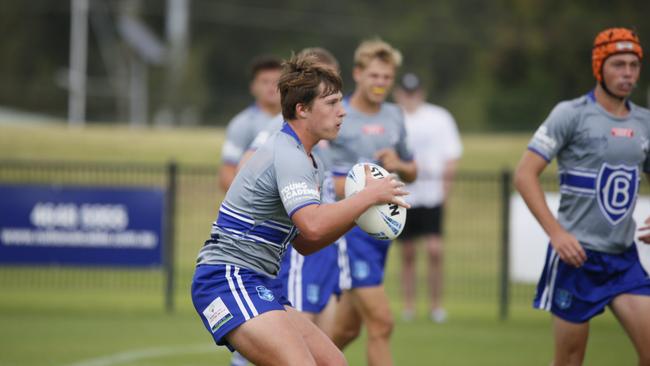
point(300, 82)
point(375, 48)
point(264, 63)
point(322, 55)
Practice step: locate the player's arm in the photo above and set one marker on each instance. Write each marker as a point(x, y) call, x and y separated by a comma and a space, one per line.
point(645, 229)
point(527, 182)
point(448, 175)
point(227, 174)
point(321, 225)
point(388, 158)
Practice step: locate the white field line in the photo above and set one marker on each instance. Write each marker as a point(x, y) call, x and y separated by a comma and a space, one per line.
point(130, 356)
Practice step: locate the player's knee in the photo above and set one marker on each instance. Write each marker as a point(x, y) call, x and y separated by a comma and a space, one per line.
point(342, 335)
point(381, 326)
point(435, 251)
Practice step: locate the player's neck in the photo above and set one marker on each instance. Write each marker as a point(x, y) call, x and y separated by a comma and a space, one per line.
point(306, 139)
point(270, 109)
point(616, 106)
point(362, 104)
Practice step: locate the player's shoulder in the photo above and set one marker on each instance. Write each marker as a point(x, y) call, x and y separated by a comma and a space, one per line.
point(393, 111)
point(439, 111)
point(244, 115)
point(642, 112)
point(569, 109)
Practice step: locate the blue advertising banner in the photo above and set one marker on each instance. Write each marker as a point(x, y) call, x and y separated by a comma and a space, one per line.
point(93, 226)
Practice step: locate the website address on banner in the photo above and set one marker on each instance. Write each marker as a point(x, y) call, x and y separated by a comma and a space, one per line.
point(82, 239)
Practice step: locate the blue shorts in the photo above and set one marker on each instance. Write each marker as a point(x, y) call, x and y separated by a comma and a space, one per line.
point(366, 258)
point(226, 296)
point(309, 281)
point(578, 294)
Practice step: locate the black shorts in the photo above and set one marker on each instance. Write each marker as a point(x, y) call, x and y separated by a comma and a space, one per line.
point(422, 221)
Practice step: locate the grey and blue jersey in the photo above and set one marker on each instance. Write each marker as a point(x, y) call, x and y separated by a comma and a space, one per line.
point(254, 224)
point(600, 159)
point(243, 129)
point(362, 135)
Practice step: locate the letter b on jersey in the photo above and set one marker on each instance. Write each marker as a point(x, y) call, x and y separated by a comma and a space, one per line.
point(617, 187)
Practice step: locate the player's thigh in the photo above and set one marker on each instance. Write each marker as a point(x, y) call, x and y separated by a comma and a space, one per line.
point(633, 311)
point(326, 318)
point(271, 339)
point(320, 346)
point(347, 321)
point(570, 339)
point(373, 304)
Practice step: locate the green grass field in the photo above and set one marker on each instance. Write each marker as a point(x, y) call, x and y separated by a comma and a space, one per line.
point(89, 318)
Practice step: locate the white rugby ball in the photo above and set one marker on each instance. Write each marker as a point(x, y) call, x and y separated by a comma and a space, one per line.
point(385, 221)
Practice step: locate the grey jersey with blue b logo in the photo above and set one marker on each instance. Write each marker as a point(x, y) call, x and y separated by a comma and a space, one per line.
point(254, 224)
point(362, 135)
point(600, 159)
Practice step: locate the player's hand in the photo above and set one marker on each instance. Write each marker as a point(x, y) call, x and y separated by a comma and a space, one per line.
point(388, 159)
point(569, 249)
point(385, 190)
point(645, 236)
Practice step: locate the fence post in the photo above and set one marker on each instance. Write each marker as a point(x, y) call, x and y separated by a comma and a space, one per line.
point(170, 216)
point(504, 290)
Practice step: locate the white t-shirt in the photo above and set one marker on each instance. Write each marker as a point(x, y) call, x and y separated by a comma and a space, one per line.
point(433, 136)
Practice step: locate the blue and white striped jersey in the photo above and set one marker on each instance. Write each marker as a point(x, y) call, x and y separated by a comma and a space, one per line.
point(600, 158)
point(254, 226)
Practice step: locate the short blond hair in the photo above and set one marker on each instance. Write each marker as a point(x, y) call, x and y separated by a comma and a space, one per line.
point(376, 48)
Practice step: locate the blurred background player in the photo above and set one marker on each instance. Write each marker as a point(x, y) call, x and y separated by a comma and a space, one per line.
point(269, 204)
point(373, 131)
point(433, 135)
point(244, 127)
point(601, 141)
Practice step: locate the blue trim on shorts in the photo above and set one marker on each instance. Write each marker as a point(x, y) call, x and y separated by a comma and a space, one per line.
point(367, 258)
point(309, 281)
point(232, 295)
point(578, 294)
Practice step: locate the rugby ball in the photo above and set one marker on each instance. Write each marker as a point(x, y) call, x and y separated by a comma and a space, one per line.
point(383, 222)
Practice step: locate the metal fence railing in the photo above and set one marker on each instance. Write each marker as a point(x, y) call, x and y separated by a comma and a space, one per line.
point(476, 231)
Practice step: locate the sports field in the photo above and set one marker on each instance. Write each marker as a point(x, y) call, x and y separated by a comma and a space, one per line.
point(103, 322)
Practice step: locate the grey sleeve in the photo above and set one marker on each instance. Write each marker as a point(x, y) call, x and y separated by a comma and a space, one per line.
point(555, 132)
point(237, 139)
point(298, 185)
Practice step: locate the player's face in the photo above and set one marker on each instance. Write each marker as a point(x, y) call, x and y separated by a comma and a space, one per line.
point(375, 81)
point(326, 116)
point(264, 87)
point(621, 73)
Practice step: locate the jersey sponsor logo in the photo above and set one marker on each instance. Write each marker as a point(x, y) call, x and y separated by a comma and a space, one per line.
point(373, 129)
point(545, 141)
point(299, 190)
point(617, 187)
point(563, 299)
point(622, 132)
point(264, 293)
point(313, 293)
